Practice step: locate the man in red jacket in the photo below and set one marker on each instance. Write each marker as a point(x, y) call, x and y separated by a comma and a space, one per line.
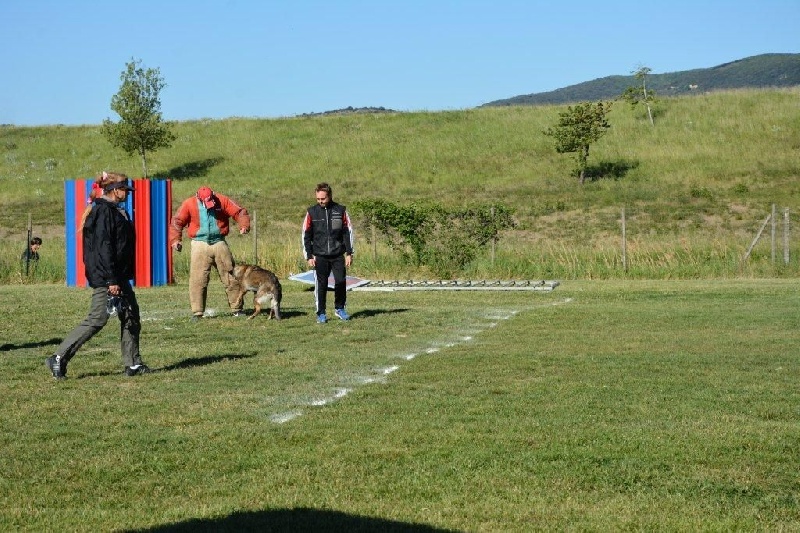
point(207, 215)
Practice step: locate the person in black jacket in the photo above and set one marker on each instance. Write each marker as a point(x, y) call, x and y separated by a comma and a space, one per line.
point(31, 253)
point(328, 246)
point(109, 245)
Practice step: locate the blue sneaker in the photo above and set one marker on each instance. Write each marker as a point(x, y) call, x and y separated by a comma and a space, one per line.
point(322, 319)
point(342, 314)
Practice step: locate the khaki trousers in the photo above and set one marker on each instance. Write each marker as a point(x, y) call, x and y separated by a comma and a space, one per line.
point(205, 257)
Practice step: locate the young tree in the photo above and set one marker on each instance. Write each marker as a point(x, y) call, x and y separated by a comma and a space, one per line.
point(635, 95)
point(140, 128)
point(578, 127)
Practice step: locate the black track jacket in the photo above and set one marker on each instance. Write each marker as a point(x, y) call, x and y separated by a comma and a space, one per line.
point(327, 231)
point(109, 245)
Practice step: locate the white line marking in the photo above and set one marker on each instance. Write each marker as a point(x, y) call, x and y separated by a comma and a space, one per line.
point(337, 394)
point(282, 418)
point(341, 392)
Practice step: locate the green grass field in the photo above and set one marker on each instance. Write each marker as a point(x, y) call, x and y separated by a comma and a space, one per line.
point(602, 405)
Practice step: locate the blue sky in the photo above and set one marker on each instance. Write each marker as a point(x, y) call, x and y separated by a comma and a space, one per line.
point(61, 60)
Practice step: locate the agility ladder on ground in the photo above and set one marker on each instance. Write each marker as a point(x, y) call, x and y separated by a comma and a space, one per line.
point(458, 285)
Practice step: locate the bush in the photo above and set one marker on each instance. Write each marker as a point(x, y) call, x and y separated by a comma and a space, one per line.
point(445, 240)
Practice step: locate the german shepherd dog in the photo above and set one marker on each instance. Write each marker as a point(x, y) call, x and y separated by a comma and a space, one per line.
point(262, 282)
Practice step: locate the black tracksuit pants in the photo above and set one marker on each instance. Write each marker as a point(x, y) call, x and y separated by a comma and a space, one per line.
point(327, 265)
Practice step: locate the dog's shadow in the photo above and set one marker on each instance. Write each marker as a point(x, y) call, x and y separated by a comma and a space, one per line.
point(285, 313)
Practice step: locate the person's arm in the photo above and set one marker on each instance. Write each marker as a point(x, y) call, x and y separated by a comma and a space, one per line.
point(175, 230)
point(308, 240)
point(236, 212)
point(348, 235)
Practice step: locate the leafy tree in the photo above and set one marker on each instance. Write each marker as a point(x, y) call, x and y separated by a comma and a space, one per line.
point(640, 93)
point(578, 127)
point(140, 128)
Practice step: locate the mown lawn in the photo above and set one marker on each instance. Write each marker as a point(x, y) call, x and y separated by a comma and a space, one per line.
point(603, 405)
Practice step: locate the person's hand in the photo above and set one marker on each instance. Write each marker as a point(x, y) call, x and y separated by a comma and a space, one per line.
point(348, 260)
point(312, 262)
point(177, 247)
point(244, 231)
point(114, 290)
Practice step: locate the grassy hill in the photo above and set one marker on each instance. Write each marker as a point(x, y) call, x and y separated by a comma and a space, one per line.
point(766, 70)
point(696, 187)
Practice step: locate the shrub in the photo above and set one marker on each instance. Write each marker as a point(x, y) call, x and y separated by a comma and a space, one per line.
point(445, 240)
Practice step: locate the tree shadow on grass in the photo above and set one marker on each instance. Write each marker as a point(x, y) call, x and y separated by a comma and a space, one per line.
point(292, 520)
point(195, 169)
point(610, 170)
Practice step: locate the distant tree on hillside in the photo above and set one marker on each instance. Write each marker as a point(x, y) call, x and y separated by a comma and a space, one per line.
point(578, 127)
point(640, 93)
point(138, 104)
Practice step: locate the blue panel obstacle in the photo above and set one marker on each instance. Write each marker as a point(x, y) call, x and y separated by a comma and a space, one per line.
point(71, 231)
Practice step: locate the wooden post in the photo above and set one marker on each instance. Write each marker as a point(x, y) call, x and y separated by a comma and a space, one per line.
point(786, 236)
point(774, 230)
point(758, 236)
point(254, 229)
point(624, 243)
point(374, 245)
point(494, 239)
point(28, 246)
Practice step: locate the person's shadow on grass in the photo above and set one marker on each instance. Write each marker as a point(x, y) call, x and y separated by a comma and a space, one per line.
point(7, 347)
point(367, 313)
point(190, 362)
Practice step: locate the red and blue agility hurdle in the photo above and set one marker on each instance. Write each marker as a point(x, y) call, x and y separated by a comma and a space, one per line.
point(150, 209)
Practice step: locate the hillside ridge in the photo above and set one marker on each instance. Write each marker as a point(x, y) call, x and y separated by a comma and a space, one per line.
point(760, 71)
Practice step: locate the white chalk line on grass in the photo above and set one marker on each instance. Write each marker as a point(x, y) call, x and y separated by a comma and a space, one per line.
point(379, 375)
point(281, 418)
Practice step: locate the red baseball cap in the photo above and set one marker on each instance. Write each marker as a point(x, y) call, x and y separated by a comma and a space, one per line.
point(206, 195)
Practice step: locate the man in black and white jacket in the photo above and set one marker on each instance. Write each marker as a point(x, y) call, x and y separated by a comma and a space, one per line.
point(328, 247)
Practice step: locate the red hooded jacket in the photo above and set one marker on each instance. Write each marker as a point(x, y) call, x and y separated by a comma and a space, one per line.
point(189, 214)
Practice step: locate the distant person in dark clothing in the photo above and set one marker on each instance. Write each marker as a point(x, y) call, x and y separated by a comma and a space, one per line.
point(31, 253)
point(109, 245)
